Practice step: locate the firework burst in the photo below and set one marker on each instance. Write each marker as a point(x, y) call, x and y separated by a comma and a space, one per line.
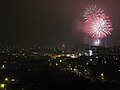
point(97, 23)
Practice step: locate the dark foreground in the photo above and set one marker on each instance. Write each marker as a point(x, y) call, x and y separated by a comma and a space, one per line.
point(38, 76)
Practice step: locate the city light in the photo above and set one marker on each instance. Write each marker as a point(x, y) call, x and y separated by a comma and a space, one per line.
point(3, 66)
point(60, 60)
point(90, 59)
point(6, 79)
point(68, 55)
point(105, 62)
point(102, 76)
point(90, 52)
point(2, 85)
point(97, 42)
point(56, 64)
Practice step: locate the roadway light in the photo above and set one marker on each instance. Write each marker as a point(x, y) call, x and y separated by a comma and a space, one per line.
point(60, 60)
point(2, 85)
point(3, 66)
point(6, 79)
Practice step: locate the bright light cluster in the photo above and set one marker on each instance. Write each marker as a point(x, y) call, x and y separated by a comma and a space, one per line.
point(97, 24)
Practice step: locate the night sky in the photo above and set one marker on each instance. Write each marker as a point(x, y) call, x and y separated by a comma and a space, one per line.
point(51, 21)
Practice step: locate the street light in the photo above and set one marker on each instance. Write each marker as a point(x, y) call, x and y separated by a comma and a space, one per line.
point(2, 85)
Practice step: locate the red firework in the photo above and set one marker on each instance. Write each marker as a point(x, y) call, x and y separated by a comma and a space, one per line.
point(97, 24)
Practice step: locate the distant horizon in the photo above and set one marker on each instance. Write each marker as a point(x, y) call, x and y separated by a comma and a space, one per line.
point(48, 45)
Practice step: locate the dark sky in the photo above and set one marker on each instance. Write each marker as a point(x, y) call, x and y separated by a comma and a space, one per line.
point(51, 21)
